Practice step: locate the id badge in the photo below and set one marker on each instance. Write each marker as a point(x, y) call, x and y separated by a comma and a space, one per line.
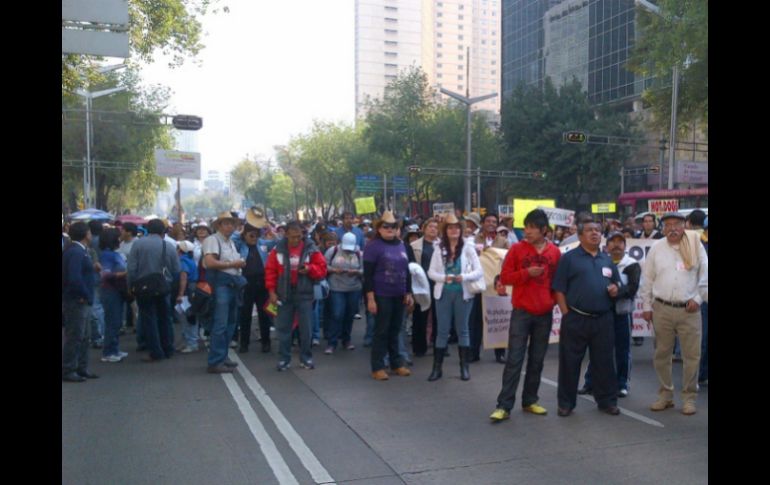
point(680, 266)
point(607, 272)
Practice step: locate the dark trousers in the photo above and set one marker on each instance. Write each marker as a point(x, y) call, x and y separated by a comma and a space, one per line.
point(77, 328)
point(476, 328)
point(703, 374)
point(387, 325)
point(526, 330)
point(420, 328)
point(155, 319)
point(622, 352)
point(597, 334)
point(255, 293)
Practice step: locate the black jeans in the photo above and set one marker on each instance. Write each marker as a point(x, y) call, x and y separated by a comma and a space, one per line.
point(387, 325)
point(77, 330)
point(420, 328)
point(526, 330)
point(154, 316)
point(476, 327)
point(255, 293)
point(597, 334)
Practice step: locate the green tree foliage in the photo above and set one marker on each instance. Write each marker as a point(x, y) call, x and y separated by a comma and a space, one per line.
point(532, 125)
point(679, 36)
point(207, 205)
point(169, 27)
point(125, 130)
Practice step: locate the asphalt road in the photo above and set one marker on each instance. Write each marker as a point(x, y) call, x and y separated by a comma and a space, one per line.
point(172, 423)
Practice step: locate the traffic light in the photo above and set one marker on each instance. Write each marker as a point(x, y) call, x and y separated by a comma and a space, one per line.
point(187, 122)
point(414, 169)
point(654, 168)
point(575, 137)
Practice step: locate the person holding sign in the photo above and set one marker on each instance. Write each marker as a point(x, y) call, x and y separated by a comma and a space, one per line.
point(453, 266)
point(586, 284)
point(388, 289)
point(529, 266)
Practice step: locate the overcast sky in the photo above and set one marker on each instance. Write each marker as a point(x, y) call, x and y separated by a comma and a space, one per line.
point(268, 70)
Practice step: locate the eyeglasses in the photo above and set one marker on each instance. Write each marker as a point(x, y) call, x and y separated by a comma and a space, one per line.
point(388, 226)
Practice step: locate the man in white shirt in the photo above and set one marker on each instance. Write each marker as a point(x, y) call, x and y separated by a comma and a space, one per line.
point(674, 284)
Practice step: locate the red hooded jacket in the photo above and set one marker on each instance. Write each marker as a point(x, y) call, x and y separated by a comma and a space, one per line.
point(532, 294)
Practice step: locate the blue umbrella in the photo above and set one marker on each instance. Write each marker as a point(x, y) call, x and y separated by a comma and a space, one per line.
point(91, 215)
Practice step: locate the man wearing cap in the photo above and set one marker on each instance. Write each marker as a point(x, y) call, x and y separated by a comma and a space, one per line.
point(585, 285)
point(347, 226)
point(223, 266)
point(630, 272)
point(674, 285)
point(472, 225)
point(252, 251)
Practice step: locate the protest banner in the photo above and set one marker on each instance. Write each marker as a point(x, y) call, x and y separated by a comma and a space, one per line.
point(443, 208)
point(558, 217)
point(522, 207)
point(365, 205)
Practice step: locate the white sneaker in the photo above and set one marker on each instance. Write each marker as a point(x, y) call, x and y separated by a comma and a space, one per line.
point(123, 355)
point(111, 358)
point(356, 317)
point(188, 350)
point(233, 345)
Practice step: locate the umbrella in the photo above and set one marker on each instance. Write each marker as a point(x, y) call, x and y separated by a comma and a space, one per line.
point(91, 215)
point(138, 220)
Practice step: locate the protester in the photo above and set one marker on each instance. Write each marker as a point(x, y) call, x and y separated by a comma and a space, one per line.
point(113, 289)
point(347, 226)
point(703, 374)
point(291, 270)
point(649, 230)
point(472, 225)
point(529, 266)
point(387, 285)
point(453, 266)
point(223, 266)
point(97, 310)
point(183, 288)
point(345, 269)
point(151, 254)
point(77, 298)
point(586, 282)
point(674, 284)
point(420, 251)
point(630, 272)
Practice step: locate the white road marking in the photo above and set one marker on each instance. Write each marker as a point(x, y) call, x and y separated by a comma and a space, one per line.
point(628, 413)
point(308, 459)
point(266, 444)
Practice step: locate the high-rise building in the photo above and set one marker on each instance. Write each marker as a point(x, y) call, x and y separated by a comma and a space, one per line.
point(388, 35)
point(562, 39)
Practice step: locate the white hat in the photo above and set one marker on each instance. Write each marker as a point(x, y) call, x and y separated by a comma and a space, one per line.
point(349, 242)
point(185, 246)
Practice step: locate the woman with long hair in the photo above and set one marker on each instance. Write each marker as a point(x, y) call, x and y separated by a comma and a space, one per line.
point(453, 266)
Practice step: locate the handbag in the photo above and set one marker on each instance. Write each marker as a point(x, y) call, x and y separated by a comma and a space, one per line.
point(153, 284)
point(200, 300)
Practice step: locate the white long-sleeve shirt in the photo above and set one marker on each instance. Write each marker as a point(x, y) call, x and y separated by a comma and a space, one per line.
point(664, 276)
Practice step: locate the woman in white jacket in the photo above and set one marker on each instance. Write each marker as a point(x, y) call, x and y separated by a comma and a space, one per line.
point(454, 266)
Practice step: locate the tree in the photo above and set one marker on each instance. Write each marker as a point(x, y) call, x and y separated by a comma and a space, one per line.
point(165, 26)
point(678, 36)
point(532, 125)
point(128, 139)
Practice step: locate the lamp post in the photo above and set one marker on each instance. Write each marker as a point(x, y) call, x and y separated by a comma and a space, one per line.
point(650, 7)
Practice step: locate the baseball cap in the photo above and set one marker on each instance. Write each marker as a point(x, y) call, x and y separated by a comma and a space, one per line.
point(348, 242)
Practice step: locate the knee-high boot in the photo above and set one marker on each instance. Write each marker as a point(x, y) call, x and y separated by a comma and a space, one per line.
point(438, 359)
point(465, 373)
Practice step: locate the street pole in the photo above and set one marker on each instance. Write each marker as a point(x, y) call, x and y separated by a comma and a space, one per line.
point(478, 191)
point(178, 200)
point(384, 192)
point(622, 174)
point(672, 136)
point(662, 159)
point(87, 166)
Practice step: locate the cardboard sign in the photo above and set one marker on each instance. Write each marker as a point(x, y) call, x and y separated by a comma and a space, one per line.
point(504, 211)
point(559, 217)
point(365, 205)
point(661, 206)
point(443, 209)
point(603, 208)
point(522, 207)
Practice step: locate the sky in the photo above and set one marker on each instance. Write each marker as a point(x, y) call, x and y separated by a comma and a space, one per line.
point(269, 68)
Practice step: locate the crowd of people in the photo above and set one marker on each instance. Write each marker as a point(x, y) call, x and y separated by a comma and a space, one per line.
point(422, 278)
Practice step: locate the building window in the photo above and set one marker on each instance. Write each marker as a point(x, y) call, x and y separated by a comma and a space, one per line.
point(391, 42)
point(459, 67)
point(460, 27)
point(391, 54)
point(493, 63)
point(439, 34)
point(460, 37)
point(461, 7)
point(439, 66)
point(495, 72)
point(460, 17)
point(391, 9)
point(439, 14)
point(483, 42)
point(439, 75)
point(391, 31)
point(439, 44)
point(459, 58)
point(392, 66)
point(459, 87)
point(460, 47)
point(460, 77)
point(439, 24)
point(494, 42)
point(391, 20)
point(439, 54)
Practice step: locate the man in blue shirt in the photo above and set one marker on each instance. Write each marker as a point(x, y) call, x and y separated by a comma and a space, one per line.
point(586, 283)
point(77, 299)
point(347, 226)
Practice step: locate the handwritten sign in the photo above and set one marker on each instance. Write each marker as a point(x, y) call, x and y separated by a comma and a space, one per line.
point(443, 208)
point(365, 205)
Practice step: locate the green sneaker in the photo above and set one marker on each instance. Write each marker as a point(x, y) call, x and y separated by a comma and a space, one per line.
point(499, 414)
point(535, 409)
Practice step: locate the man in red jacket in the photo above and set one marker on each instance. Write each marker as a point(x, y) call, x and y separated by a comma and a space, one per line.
point(529, 266)
point(293, 291)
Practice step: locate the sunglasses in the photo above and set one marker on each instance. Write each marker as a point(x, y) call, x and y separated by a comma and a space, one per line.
point(388, 226)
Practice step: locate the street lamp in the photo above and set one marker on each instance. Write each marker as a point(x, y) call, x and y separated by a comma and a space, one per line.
point(468, 102)
point(650, 7)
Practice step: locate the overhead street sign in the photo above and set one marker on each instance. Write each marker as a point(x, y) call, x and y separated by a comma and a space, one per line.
point(575, 137)
point(187, 122)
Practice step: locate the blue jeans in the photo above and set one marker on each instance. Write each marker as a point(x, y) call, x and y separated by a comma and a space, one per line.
point(223, 325)
point(531, 332)
point(622, 352)
point(77, 329)
point(369, 328)
point(113, 319)
point(156, 325)
point(97, 317)
point(189, 330)
point(703, 374)
point(283, 323)
point(343, 305)
point(452, 310)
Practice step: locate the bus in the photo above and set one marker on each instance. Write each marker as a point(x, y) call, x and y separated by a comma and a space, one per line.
point(637, 202)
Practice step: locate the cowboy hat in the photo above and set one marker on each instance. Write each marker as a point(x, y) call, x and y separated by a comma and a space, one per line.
point(474, 218)
point(256, 217)
point(226, 215)
point(387, 217)
point(450, 219)
point(185, 246)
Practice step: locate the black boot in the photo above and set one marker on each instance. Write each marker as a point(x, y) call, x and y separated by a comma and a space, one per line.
point(438, 359)
point(465, 373)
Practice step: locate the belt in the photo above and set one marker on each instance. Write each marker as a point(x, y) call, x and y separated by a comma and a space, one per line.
point(670, 303)
point(585, 314)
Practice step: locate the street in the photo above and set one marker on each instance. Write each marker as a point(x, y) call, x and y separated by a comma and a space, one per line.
point(171, 422)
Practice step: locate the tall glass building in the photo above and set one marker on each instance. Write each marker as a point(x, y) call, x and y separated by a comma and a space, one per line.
point(562, 39)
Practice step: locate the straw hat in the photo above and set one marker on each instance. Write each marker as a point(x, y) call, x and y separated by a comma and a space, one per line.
point(224, 216)
point(388, 217)
point(256, 217)
point(474, 218)
point(451, 219)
